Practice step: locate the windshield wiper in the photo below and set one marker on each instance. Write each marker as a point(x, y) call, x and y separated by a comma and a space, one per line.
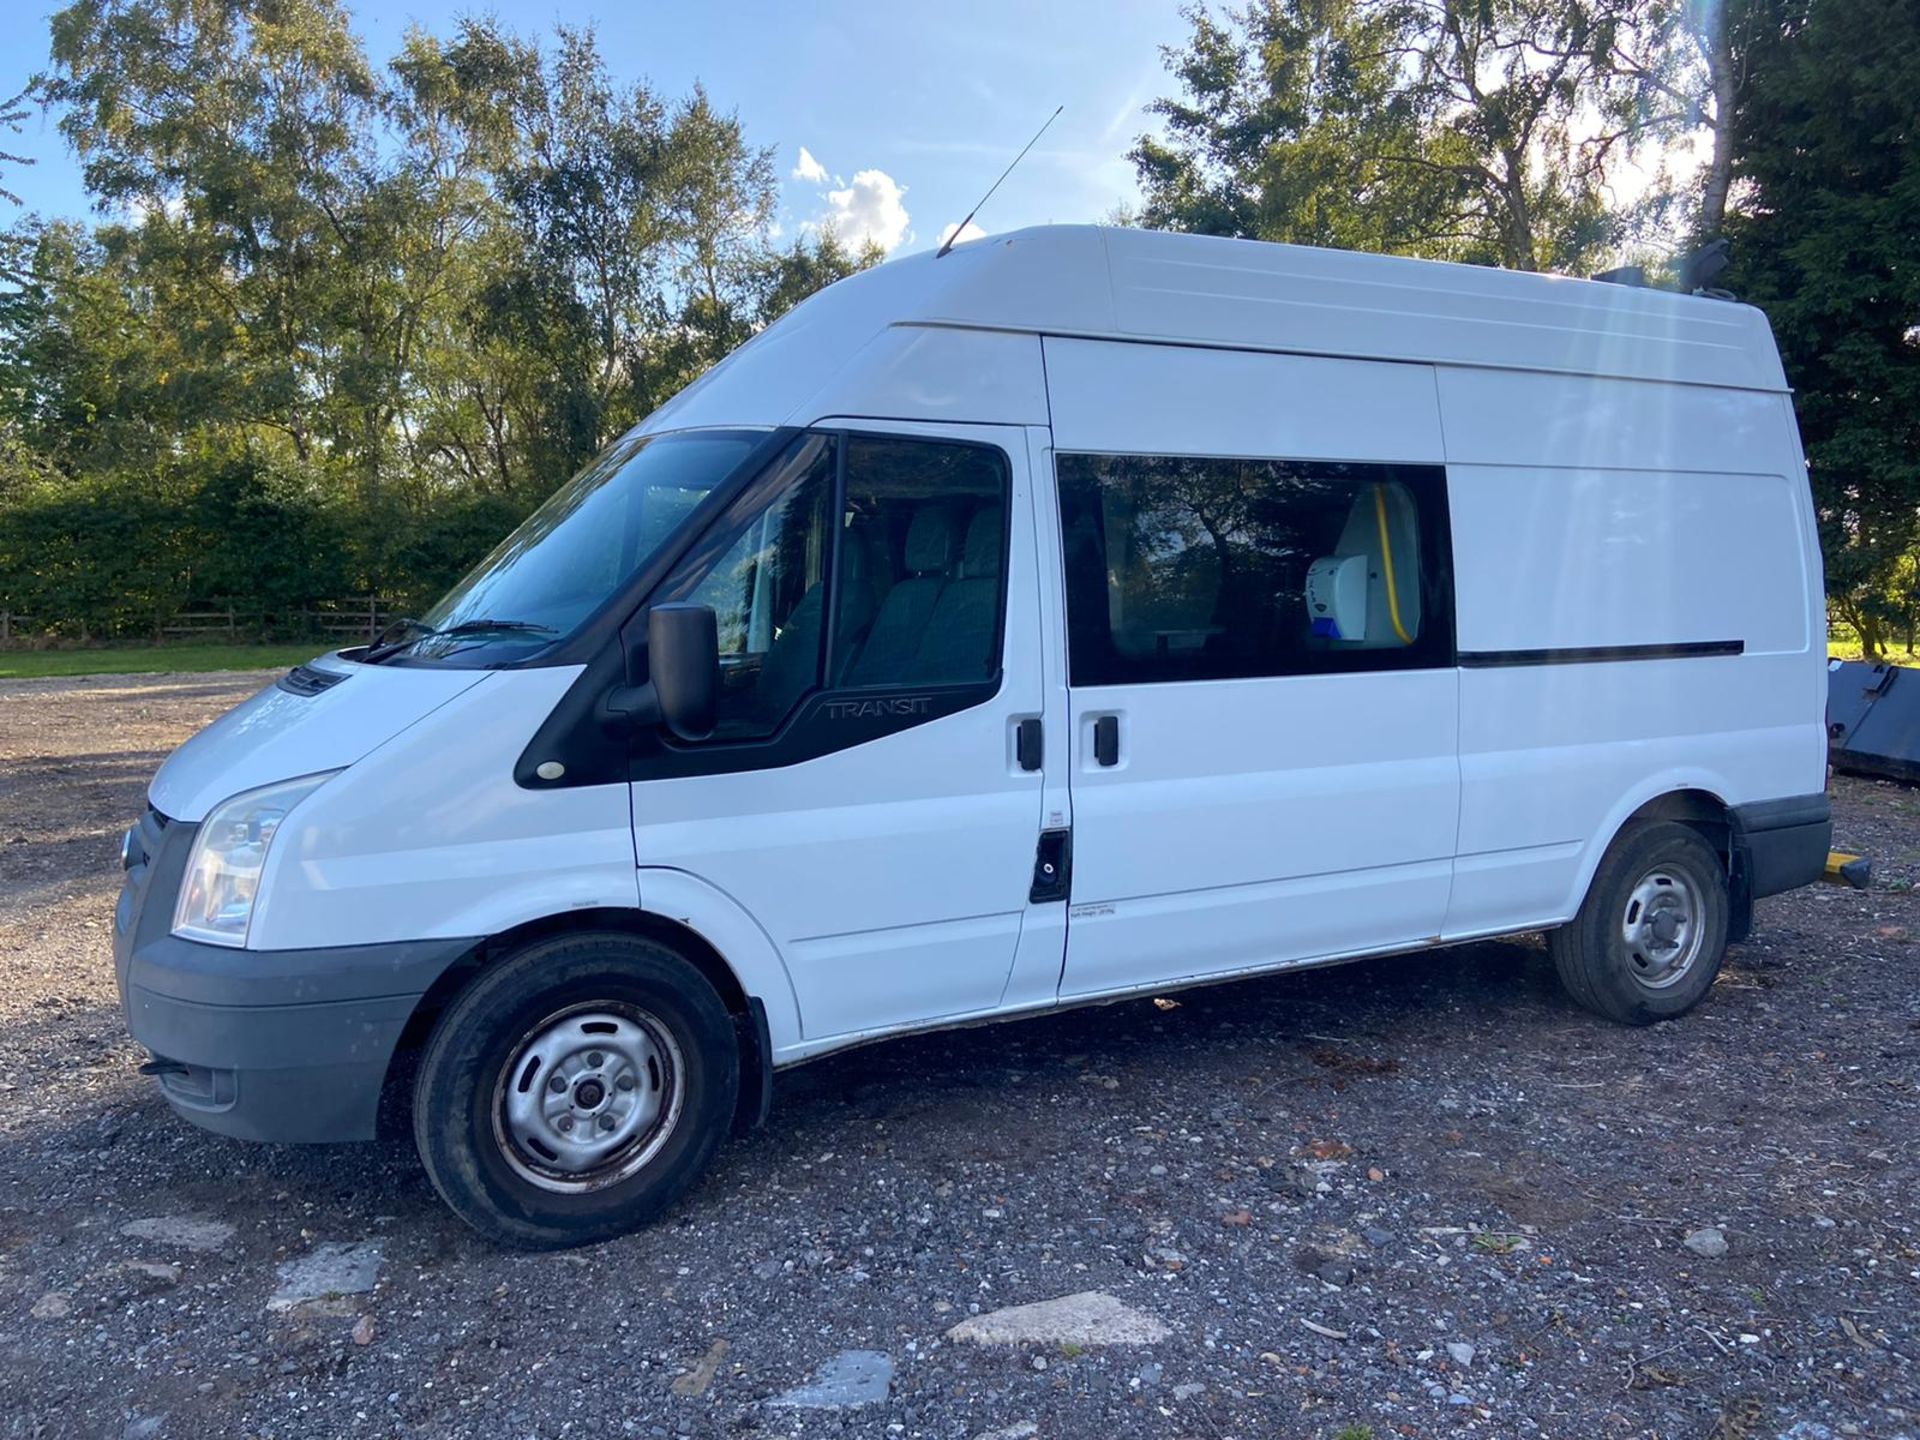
point(378, 653)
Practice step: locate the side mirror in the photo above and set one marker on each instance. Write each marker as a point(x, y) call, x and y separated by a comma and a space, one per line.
point(683, 666)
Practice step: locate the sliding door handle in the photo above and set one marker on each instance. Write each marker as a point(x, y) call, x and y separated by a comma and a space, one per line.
point(1029, 744)
point(1106, 740)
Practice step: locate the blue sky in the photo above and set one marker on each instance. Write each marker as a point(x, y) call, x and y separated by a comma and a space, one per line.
point(907, 110)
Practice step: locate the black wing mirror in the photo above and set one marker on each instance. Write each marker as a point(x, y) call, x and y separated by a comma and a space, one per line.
point(683, 660)
point(683, 668)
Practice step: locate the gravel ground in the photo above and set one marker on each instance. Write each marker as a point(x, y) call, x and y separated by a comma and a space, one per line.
point(1418, 1197)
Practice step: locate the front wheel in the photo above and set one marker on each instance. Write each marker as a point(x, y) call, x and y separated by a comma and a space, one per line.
point(1649, 939)
point(576, 1090)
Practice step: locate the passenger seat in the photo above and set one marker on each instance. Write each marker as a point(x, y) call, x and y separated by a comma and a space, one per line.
point(892, 644)
point(955, 645)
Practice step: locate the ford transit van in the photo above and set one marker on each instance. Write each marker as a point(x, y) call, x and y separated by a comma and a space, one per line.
point(1080, 614)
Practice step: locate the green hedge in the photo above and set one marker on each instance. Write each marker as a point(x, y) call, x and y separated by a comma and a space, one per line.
point(122, 556)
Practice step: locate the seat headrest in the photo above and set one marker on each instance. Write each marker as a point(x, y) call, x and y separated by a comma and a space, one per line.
point(930, 540)
point(980, 556)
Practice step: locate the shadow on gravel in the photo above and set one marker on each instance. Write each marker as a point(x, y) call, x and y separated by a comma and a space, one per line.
point(214, 685)
point(91, 786)
point(131, 768)
point(1368, 1005)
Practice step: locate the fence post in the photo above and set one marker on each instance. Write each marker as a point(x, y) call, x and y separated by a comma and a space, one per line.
point(6, 626)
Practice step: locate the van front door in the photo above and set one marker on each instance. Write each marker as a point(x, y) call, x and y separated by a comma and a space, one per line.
point(872, 794)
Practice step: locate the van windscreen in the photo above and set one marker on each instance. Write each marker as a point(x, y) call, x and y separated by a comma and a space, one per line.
point(545, 579)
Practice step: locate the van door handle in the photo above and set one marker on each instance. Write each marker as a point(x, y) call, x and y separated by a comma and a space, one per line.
point(1029, 744)
point(1106, 740)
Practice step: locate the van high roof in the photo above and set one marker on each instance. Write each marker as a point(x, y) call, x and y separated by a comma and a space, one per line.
point(954, 337)
point(1146, 285)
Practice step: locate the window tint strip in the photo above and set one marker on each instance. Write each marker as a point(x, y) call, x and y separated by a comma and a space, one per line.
point(1599, 654)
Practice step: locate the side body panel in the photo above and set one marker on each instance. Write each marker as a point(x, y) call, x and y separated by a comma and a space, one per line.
point(1592, 513)
point(1253, 822)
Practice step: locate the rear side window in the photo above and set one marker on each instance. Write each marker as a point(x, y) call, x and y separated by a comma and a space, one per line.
point(1182, 568)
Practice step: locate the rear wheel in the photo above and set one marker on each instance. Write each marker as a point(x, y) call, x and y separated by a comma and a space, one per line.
point(1649, 939)
point(576, 1090)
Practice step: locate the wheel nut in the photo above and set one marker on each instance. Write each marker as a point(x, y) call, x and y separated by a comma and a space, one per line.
point(594, 1057)
point(557, 1084)
point(606, 1122)
point(566, 1124)
point(625, 1082)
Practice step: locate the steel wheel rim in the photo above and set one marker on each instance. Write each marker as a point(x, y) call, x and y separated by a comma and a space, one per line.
point(588, 1096)
point(1662, 927)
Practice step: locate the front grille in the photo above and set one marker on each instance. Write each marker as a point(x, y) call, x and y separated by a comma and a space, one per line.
point(139, 847)
point(143, 840)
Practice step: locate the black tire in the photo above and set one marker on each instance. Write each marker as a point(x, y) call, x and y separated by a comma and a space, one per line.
point(1658, 876)
point(540, 1013)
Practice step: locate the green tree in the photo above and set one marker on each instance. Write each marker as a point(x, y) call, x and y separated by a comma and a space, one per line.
point(783, 278)
point(1444, 128)
point(378, 311)
point(1827, 188)
point(1294, 123)
point(13, 113)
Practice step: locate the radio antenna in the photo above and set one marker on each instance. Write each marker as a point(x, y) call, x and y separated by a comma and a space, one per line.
point(947, 244)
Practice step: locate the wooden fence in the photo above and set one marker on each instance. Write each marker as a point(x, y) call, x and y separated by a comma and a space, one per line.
point(346, 620)
point(358, 617)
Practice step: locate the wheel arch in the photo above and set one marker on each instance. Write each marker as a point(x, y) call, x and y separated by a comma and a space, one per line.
point(1697, 802)
point(686, 915)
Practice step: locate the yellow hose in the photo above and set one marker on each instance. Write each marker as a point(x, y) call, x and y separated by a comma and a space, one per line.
point(1386, 556)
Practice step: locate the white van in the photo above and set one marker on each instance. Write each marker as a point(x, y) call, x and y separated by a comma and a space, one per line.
point(1079, 614)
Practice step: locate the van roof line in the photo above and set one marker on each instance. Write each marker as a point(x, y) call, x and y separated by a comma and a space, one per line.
point(1103, 282)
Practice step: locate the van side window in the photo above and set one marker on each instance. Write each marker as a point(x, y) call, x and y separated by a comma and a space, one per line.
point(1194, 569)
point(768, 591)
point(922, 547)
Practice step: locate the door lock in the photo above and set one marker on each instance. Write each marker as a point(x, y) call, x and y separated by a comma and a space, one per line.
point(1052, 867)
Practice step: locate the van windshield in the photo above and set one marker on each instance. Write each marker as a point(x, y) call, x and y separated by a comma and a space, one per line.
point(544, 580)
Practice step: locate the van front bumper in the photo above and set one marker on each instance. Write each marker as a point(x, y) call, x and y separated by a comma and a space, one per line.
point(285, 1045)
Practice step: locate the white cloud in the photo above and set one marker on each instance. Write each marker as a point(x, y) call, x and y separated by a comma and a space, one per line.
point(809, 169)
point(871, 207)
point(971, 232)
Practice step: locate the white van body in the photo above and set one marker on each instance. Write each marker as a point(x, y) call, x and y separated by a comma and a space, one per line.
point(1601, 487)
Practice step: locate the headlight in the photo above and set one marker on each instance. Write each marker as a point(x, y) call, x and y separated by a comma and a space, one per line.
point(223, 869)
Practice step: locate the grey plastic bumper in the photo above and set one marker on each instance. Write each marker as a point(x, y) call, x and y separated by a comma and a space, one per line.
point(288, 1045)
point(309, 1071)
point(1783, 844)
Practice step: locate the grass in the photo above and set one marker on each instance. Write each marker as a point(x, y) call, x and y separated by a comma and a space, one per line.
point(1488, 1243)
point(1843, 643)
point(151, 659)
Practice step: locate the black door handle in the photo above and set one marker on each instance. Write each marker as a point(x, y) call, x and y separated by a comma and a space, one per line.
point(1106, 740)
point(1029, 744)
